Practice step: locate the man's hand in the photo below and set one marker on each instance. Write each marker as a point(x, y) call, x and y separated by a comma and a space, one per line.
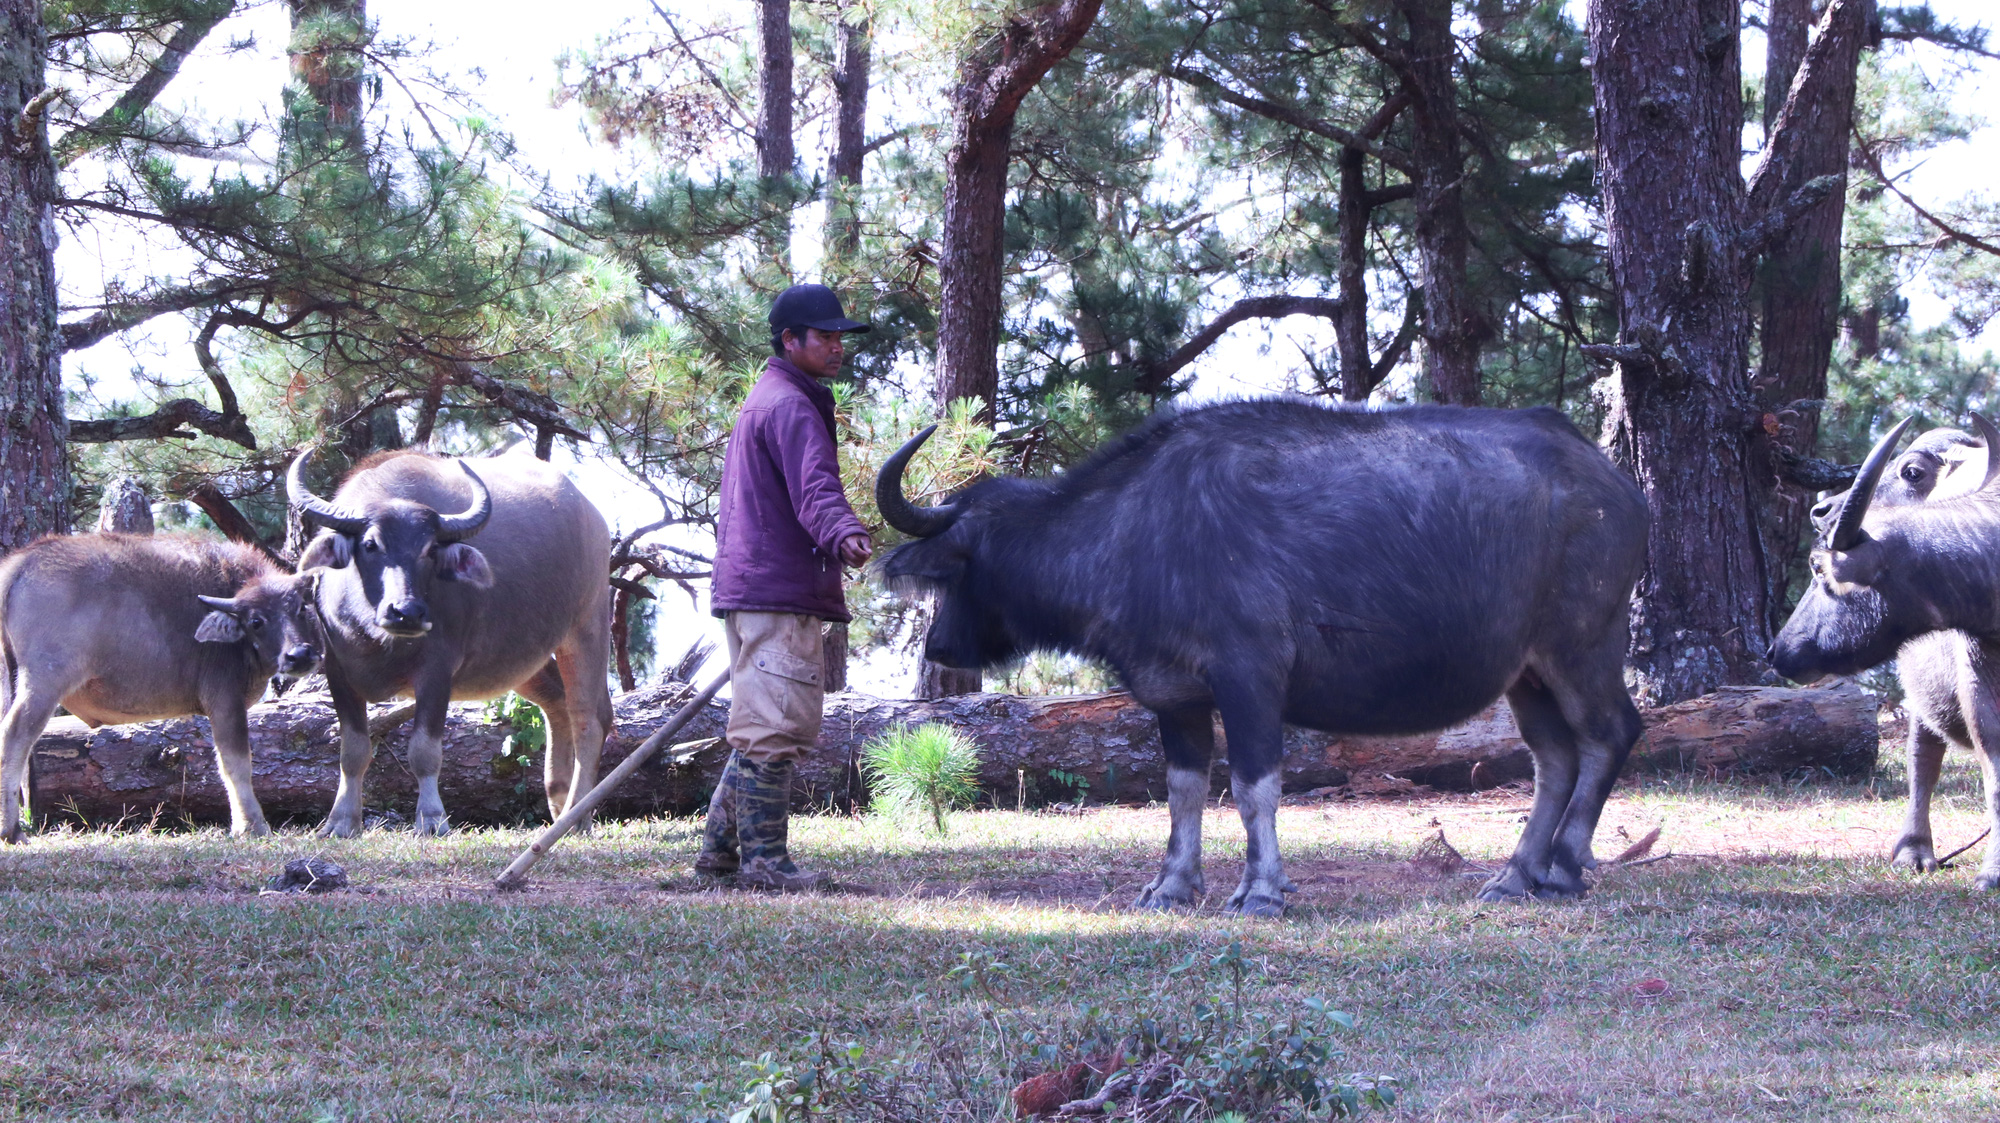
point(856, 549)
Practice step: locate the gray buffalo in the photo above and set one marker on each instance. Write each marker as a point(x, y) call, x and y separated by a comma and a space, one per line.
point(1354, 571)
point(1950, 680)
point(120, 628)
point(413, 608)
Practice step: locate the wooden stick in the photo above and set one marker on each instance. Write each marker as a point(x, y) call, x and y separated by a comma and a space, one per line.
point(1963, 849)
point(515, 875)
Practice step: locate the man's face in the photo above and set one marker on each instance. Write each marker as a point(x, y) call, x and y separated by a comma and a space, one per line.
point(818, 354)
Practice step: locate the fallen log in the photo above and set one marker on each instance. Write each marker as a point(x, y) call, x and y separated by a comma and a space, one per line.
point(1036, 750)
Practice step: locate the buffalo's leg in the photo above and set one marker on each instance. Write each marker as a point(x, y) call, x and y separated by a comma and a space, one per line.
point(1552, 744)
point(357, 751)
point(1188, 736)
point(1915, 850)
point(584, 661)
point(433, 691)
point(1605, 725)
point(19, 730)
point(1982, 723)
point(231, 727)
point(546, 691)
point(1256, 752)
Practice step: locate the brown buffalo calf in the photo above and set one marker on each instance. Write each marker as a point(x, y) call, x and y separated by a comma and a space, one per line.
point(120, 628)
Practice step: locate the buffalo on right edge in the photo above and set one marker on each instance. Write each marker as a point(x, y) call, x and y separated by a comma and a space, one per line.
point(1905, 568)
point(1348, 570)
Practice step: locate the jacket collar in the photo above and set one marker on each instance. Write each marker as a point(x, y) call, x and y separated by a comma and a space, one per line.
point(815, 391)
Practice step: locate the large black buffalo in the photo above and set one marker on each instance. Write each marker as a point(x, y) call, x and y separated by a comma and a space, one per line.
point(1348, 570)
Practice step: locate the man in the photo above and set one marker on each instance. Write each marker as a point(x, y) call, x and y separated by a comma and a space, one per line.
point(783, 530)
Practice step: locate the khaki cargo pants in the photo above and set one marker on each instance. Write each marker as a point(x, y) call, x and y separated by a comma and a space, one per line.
point(776, 682)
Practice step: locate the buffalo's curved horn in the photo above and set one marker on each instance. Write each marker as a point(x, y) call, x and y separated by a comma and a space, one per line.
point(465, 524)
point(896, 508)
point(312, 507)
point(1847, 531)
point(1992, 438)
point(220, 604)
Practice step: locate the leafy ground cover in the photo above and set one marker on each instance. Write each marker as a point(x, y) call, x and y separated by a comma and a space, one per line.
point(1773, 968)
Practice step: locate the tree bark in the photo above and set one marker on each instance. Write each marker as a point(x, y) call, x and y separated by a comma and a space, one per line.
point(167, 768)
point(775, 152)
point(998, 75)
point(851, 62)
point(33, 428)
point(833, 656)
point(124, 509)
point(1454, 327)
point(1800, 276)
point(1669, 127)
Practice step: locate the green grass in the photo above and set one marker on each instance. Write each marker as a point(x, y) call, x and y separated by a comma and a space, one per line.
point(142, 977)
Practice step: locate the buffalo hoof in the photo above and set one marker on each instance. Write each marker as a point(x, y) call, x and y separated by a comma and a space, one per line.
point(1169, 892)
point(340, 826)
point(1242, 903)
point(433, 826)
point(1559, 884)
point(1987, 881)
point(1510, 884)
point(1915, 855)
point(16, 837)
point(259, 829)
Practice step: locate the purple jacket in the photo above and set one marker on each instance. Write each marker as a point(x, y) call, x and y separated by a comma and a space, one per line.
point(783, 514)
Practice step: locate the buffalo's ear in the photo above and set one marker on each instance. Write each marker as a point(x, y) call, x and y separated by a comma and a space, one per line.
point(460, 562)
point(330, 550)
point(219, 627)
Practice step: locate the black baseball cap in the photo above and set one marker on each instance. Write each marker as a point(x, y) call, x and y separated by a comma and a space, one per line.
point(811, 306)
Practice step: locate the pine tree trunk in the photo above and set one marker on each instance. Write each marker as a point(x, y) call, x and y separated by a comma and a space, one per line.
point(833, 657)
point(971, 262)
point(1350, 328)
point(997, 76)
point(1454, 327)
point(124, 509)
point(33, 426)
point(1800, 276)
point(775, 153)
point(850, 139)
point(1669, 121)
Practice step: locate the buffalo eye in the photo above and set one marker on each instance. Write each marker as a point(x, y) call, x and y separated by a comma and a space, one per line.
point(256, 622)
point(370, 545)
point(1913, 472)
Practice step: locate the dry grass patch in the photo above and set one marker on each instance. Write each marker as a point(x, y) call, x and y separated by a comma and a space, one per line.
point(1782, 972)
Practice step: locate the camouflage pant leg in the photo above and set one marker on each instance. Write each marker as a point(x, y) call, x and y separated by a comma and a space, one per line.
point(718, 857)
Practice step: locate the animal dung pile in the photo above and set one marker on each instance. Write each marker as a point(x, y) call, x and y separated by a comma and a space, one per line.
point(307, 875)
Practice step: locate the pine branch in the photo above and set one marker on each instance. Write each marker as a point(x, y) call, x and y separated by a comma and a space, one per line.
point(1874, 163)
point(1288, 115)
point(172, 419)
point(110, 126)
point(1157, 374)
point(114, 318)
point(1762, 234)
point(230, 521)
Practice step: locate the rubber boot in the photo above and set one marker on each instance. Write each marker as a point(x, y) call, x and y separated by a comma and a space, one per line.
point(763, 819)
point(719, 860)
